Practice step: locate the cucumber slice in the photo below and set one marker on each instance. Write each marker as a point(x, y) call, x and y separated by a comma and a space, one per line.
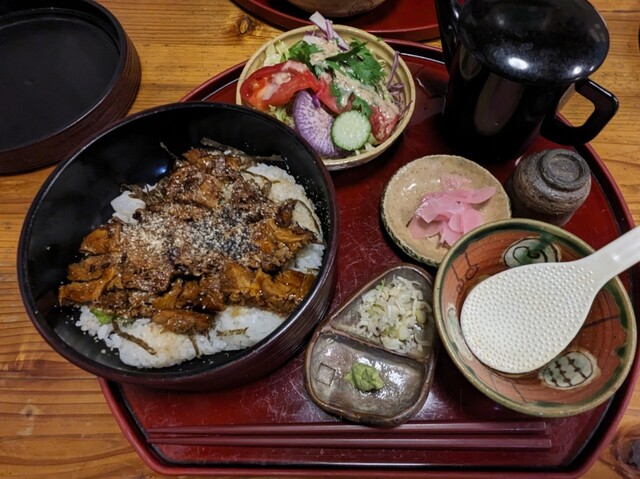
point(350, 130)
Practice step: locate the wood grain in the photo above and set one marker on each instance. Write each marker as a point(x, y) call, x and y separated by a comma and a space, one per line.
point(55, 422)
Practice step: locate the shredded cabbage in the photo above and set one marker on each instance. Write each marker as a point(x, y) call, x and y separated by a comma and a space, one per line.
point(281, 113)
point(395, 314)
point(275, 53)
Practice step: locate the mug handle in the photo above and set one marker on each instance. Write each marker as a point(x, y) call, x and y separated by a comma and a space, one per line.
point(605, 106)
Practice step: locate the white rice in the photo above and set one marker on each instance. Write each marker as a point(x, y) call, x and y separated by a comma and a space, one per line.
point(125, 206)
point(237, 327)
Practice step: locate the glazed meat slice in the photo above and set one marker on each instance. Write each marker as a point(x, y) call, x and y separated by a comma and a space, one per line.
point(139, 304)
point(215, 162)
point(145, 274)
point(183, 321)
point(196, 247)
point(239, 285)
point(126, 303)
point(103, 240)
point(284, 214)
point(115, 302)
point(202, 295)
point(211, 297)
point(192, 185)
point(91, 267)
point(169, 299)
point(145, 264)
point(278, 245)
point(281, 293)
point(86, 292)
point(246, 191)
point(284, 292)
point(170, 213)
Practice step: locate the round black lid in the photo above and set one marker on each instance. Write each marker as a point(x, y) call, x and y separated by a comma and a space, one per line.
point(67, 69)
point(536, 41)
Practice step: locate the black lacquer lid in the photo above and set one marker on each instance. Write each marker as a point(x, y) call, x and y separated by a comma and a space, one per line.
point(67, 69)
point(535, 41)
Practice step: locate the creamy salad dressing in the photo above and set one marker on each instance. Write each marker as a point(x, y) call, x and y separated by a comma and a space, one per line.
point(348, 85)
point(279, 79)
point(328, 48)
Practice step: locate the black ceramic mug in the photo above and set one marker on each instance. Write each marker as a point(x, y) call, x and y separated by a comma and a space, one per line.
point(512, 65)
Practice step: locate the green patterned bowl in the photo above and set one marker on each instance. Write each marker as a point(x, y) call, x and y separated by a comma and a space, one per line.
point(587, 372)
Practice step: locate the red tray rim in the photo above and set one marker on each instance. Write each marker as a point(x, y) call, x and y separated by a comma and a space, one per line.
point(603, 433)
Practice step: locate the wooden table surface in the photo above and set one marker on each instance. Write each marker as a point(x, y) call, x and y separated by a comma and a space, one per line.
point(54, 419)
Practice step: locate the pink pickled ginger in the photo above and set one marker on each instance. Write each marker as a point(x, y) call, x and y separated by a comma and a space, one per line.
point(449, 212)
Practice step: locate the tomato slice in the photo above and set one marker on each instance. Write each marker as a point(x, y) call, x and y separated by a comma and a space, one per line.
point(277, 84)
point(383, 122)
point(326, 97)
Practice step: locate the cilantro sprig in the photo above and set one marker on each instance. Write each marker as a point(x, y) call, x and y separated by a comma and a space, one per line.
point(302, 51)
point(359, 63)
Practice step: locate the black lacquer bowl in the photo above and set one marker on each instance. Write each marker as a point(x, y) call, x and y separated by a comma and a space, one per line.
point(76, 199)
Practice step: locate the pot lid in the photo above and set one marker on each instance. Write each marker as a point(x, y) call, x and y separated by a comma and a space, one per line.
point(68, 69)
point(536, 41)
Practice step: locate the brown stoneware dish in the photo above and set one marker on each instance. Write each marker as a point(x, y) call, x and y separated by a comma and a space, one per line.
point(341, 341)
point(337, 8)
point(581, 377)
point(75, 199)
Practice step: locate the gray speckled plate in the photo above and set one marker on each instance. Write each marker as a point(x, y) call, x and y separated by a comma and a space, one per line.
point(339, 342)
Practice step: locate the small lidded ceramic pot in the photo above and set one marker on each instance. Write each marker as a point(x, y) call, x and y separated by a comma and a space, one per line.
point(549, 186)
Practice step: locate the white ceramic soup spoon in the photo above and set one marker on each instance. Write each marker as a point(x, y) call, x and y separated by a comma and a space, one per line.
point(520, 319)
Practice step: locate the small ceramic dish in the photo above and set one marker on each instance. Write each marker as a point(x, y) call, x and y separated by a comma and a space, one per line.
point(587, 372)
point(381, 50)
point(406, 187)
point(340, 342)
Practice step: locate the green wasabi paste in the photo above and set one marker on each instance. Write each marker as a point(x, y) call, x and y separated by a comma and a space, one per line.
point(364, 378)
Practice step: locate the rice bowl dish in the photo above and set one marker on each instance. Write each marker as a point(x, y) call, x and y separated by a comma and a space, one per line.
point(138, 151)
point(145, 343)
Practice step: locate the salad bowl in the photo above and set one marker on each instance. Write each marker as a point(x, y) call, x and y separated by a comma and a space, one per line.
point(395, 75)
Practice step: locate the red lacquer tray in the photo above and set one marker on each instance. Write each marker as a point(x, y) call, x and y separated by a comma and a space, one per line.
point(402, 19)
point(271, 427)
